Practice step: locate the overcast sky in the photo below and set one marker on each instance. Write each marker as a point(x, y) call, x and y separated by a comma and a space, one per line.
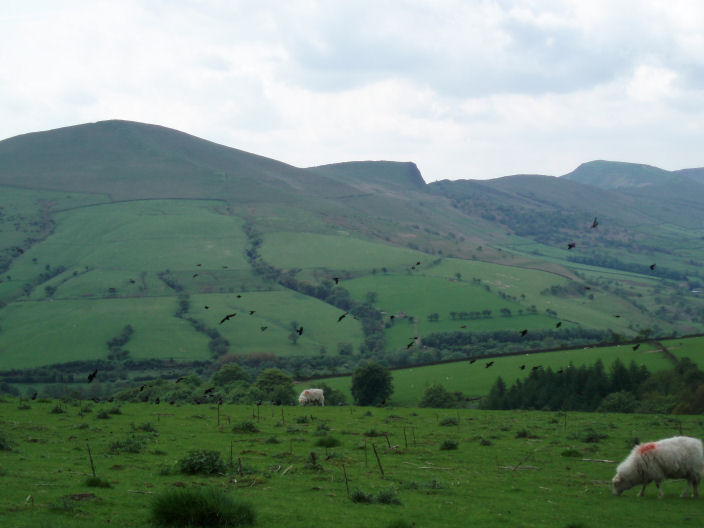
point(466, 89)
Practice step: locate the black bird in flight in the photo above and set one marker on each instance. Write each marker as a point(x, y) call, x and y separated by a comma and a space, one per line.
point(524, 332)
point(34, 396)
point(409, 345)
point(523, 367)
point(336, 279)
point(132, 281)
point(536, 367)
point(180, 379)
point(252, 312)
point(171, 402)
point(472, 361)
point(157, 401)
point(299, 331)
point(195, 275)
point(20, 250)
point(208, 391)
point(239, 296)
point(463, 326)
point(587, 288)
point(617, 315)
point(594, 223)
point(560, 371)
point(392, 317)
point(652, 267)
point(227, 317)
point(559, 324)
point(198, 264)
point(92, 375)
point(206, 307)
point(635, 347)
point(262, 328)
point(490, 363)
point(341, 317)
point(570, 245)
point(142, 388)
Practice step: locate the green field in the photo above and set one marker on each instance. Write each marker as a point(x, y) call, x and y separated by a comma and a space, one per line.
point(474, 379)
point(337, 252)
point(528, 469)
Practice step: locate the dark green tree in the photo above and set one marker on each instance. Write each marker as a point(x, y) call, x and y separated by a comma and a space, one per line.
point(277, 385)
point(229, 374)
point(371, 384)
point(438, 396)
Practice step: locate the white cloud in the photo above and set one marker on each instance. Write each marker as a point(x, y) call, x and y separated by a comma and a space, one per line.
point(466, 89)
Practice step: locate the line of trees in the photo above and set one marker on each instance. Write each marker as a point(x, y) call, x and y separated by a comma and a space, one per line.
point(622, 389)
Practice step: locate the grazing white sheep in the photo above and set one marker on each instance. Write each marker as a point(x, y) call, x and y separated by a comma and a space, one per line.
point(678, 457)
point(312, 396)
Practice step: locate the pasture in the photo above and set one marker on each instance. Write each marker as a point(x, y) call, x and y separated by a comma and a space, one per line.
point(528, 469)
point(475, 379)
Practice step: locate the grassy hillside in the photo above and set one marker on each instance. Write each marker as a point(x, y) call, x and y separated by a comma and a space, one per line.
point(116, 223)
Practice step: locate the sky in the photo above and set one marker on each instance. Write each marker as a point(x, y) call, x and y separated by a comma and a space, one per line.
point(465, 89)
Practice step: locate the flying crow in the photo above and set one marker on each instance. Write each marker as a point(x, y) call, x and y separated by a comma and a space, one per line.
point(570, 245)
point(92, 375)
point(227, 317)
point(341, 317)
point(594, 223)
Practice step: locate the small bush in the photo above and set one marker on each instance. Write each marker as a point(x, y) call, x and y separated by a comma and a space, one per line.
point(200, 507)
point(448, 445)
point(57, 409)
point(272, 440)
point(591, 436)
point(449, 420)
point(302, 419)
point(485, 442)
point(97, 482)
point(5, 444)
point(523, 433)
point(387, 497)
point(115, 410)
point(373, 433)
point(360, 497)
point(245, 427)
point(145, 427)
point(201, 461)
point(322, 428)
point(102, 415)
point(327, 441)
point(131, 444)
point(24, 406)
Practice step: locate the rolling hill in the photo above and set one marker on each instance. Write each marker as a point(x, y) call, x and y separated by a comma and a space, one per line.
point(116, 224)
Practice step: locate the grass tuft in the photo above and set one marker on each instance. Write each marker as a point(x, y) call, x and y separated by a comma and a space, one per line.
point(97, 482)
point(200, 507)
point(245, 427)
point(448, 445)
point(201, 461)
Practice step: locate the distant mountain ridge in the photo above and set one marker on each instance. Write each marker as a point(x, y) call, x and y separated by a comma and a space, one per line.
point(619, 175)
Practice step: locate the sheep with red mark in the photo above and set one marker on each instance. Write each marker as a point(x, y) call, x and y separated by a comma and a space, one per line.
point(677, 457)
point(312, 396)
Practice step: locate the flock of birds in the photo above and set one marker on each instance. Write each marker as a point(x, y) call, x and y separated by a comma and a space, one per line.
point(414, 339)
